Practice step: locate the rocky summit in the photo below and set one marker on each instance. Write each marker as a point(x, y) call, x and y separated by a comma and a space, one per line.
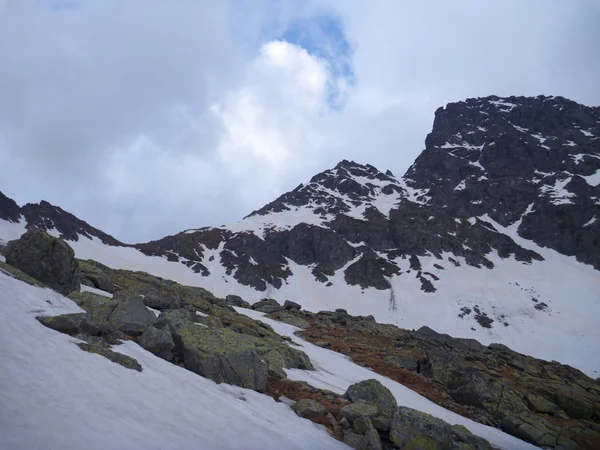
point(471, 281)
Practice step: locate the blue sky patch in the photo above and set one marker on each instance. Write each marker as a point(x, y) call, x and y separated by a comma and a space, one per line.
point(323, 36)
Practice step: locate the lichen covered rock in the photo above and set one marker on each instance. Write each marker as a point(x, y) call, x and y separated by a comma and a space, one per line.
point(45, 258)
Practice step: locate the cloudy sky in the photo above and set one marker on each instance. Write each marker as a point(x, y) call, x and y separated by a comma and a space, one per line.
point(147, 117)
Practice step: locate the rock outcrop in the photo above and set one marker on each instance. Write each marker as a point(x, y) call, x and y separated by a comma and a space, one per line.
point(45, 258)
point(545, 403)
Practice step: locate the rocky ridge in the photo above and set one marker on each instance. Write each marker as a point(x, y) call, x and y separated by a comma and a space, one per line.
point(545, 403)
point(533, 163)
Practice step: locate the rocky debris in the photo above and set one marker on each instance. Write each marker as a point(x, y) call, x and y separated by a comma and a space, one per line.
point(158, 342)
point(288, 304)
point(45, 258)
point(131, 316)
point(236, 300)
point(309, 408)
point(267, 305)
point(201, 332)
point(376, 424)
point(545, 403)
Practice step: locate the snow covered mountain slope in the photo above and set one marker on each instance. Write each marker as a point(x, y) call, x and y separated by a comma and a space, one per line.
point(492, 234)
point(48, 385)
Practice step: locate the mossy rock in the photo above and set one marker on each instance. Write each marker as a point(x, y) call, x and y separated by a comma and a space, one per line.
point(373, 391)
point(99, 347)
point(99, 307)
point(416, 430)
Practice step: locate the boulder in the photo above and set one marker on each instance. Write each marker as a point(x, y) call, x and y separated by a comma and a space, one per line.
point(161, 300)
point(158, 342)
point(468, 439)
point(352, 439)
point(531, 429)
point(45, 258)
point(220, 355)
point(236, 300)
point(414, 429)
point(288, 304)
point(73, 324)
point(374, 392)
point(309, 408)
point(99, 307)
point(359, 409)
point(131, 316)
point(267, 305)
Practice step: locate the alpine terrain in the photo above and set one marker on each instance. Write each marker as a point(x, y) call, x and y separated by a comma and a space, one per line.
point(463, 297)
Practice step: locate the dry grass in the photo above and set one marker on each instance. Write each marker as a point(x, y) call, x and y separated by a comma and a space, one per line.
point(296, 391)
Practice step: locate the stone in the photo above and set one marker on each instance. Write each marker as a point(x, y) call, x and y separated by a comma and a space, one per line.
point(161, 300)
point(131, 316)
point(73, 324)
point(309, 408)
point(158, 342)
point(288, 304)
point(414, 429)
point(362, 424)
point(465, 437)
point(97, 306)
point(372, 391)
point(267, 305)
point(45, 258)
point(236, 300)
point(382, 423)
point(352, 439)
point(359, 409)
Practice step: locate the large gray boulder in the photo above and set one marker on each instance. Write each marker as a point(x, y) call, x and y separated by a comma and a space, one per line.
point(73, 324)
point(131, 316)
point(309, 408)
point(161, 300)
point(373, 391)
point(236, 300)
point(219, 354)
point(45, 258)
point(267, 305)
point(158, 342)
point(414, 429)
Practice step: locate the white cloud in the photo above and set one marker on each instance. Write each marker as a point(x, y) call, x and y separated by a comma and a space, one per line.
point(145, 119)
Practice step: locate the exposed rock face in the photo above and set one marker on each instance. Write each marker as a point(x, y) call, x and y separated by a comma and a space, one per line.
point(47, 217)
point(9, 210)
point(45, 258)
point(535, 159)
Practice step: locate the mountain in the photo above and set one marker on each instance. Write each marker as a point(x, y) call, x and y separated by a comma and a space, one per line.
point(491, 234)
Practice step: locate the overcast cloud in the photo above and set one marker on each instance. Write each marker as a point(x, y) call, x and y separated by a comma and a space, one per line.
point(146, 117)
